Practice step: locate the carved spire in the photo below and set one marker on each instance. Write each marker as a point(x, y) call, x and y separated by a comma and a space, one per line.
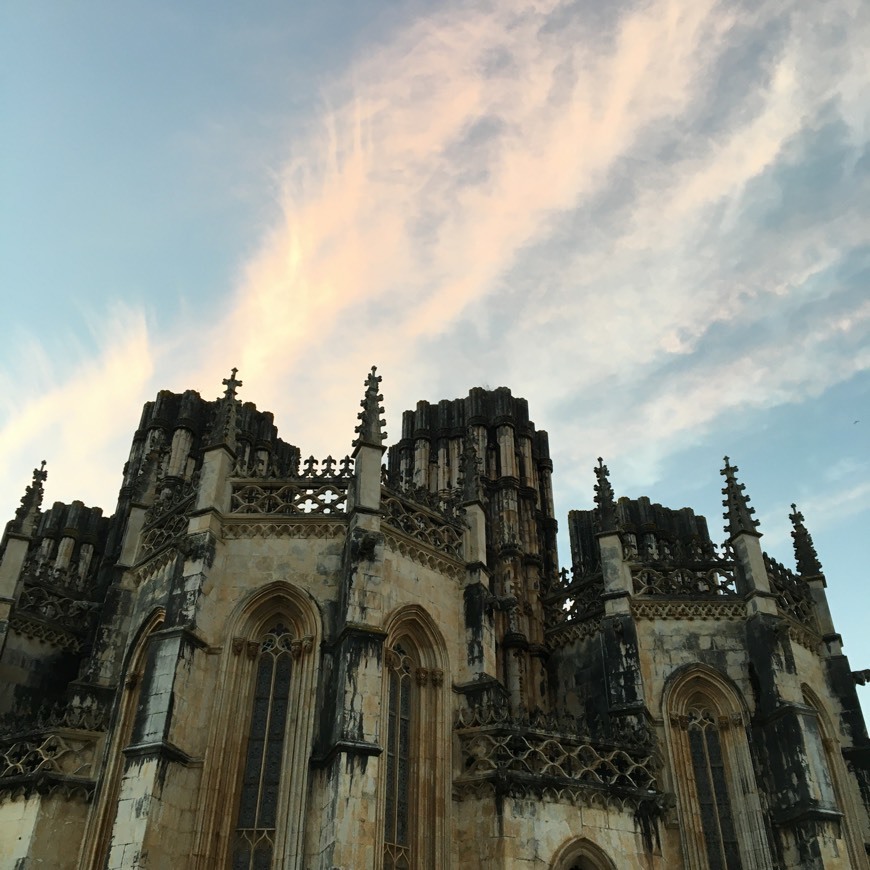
point(370, 429)
point(738, 514)
point(469, 467)
point(225, 419)
point(604, 498)
point(28, 513)
point(805, 555)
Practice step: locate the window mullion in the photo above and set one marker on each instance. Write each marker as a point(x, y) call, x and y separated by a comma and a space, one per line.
point(261, 779)
point(717, 809)
point(265, 755)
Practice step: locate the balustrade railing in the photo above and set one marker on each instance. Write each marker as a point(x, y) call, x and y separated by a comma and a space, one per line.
point(540, 747)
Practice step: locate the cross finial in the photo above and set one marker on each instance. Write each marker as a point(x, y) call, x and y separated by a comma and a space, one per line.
point(224, 424)
point(231, 383)
point(738, 513)
point(805, 555)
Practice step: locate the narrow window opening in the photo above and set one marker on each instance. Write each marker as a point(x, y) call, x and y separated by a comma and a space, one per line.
point(397, 824)
point(255, 829)
point(717, 820)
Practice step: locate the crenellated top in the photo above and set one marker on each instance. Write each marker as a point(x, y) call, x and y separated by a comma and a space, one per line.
point(171, 411)
point(66, 548)
point(650, 532)
point(484, 448)
point(84, 524)
point(662, 532)
point(176, 427)
point(451, 418)
point(482, 416)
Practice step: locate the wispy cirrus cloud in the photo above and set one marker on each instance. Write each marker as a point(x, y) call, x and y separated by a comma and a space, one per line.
point(612, 210)
point(75, 418)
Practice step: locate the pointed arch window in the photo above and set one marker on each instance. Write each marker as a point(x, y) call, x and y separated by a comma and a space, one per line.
point(98, 834)
point(254, 842)
point(711, 767)
point(829, 772)
point(254, 787)
point(582, 854)
point(708, 767)
point(397, 800)
point(414, 788)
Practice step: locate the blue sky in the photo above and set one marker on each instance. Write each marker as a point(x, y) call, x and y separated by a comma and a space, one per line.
point(649, 219)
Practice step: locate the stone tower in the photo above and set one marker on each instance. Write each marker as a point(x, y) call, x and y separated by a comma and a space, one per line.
point(260, 661)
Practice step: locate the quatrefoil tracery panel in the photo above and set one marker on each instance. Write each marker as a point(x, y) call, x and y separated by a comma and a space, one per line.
point(288, 499)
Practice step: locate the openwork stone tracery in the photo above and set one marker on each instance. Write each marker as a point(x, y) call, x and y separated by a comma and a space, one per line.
point(537, 750)
point(793, 596)
point(422, 524)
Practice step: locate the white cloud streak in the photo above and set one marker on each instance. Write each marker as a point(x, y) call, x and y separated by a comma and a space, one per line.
point(513, 193)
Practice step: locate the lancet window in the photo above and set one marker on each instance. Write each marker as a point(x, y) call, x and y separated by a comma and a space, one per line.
point(708, 767)
point(102, 819)
point(255, 780)
point(397, 800)
point(721, 822)
point(416, 739)
point(582, 855)
point(832, 790)
point(255, 826)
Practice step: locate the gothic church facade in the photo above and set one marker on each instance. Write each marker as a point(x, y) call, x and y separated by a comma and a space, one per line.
point(264, 662)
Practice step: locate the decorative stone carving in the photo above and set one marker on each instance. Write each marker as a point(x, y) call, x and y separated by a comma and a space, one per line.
point(423, 526)
point(685, 582)
point(370, 429)
point(288, 498)
point(315, 528)
point(793, 596)
point(688, 609)
point(450, 566)
point(509, 746)
point(54, 635)
point(738, 514)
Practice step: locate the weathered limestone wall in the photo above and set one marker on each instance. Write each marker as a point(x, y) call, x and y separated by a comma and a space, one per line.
point(347, 832)
point(439, 593)
point(18, 821)
point(32, 669)
point(41, 831)
point(244, 564)
point(578, 677)
point(668, 644)
point(520, 834)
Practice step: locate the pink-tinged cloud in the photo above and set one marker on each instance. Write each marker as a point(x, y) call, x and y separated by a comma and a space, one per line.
point(81, 426)
point(398, 221)
point(423, 227)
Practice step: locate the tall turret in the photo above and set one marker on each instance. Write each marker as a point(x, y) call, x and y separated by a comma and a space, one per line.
point(488, 436)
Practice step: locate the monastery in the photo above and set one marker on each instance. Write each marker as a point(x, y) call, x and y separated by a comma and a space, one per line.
point(265, 661)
